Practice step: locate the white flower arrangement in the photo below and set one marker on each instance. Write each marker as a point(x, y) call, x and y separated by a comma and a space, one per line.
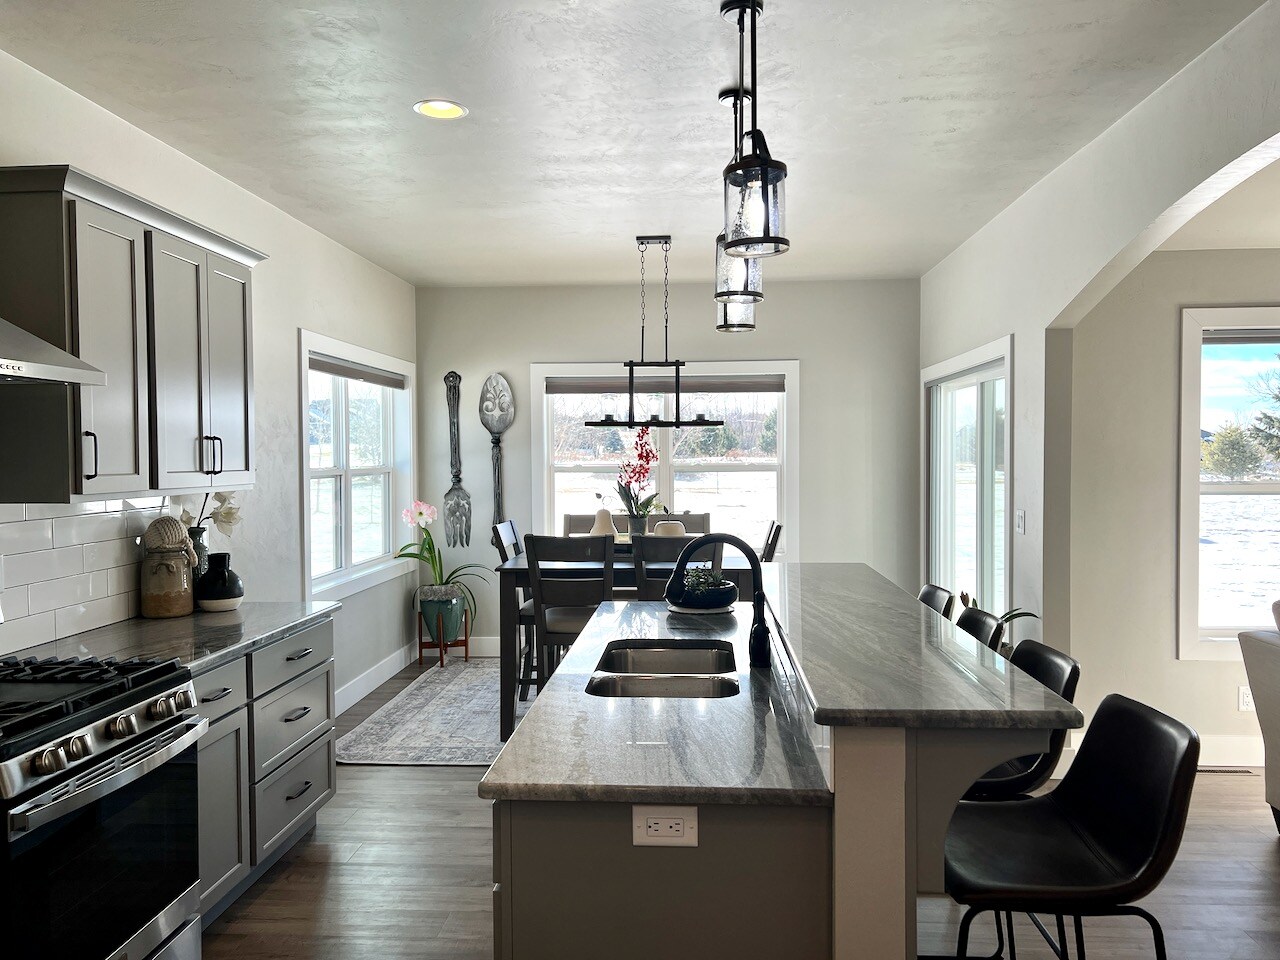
point(224, 514)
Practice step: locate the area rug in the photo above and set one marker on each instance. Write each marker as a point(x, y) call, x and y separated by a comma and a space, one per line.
point(444, 718)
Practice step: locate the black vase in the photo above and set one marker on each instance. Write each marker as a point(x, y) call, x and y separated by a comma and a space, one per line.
point(220, 587)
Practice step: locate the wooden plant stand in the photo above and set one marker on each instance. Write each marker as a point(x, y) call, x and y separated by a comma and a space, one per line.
point(463, 641)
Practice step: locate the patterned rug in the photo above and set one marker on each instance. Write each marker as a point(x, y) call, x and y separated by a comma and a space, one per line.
point(444, 718)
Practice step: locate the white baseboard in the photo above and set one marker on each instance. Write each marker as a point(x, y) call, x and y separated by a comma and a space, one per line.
point(1231, 752)
point(485, 647)
point(353, 691)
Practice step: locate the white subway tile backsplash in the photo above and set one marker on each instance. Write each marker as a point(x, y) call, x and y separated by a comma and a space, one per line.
point(25, 536)
point(26, 632)
point(88, 528)
point(52, 594)
point(24, 568)
point(10, 512)
point(111, 553)
point(13, 603)
point(94, 613)
point(122, 579)
point(41, 511)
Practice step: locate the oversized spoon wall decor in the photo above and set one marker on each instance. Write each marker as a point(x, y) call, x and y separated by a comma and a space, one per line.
point(497, 411)
point(457, 502)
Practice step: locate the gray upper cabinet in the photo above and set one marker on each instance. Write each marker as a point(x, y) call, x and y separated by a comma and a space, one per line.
point(201, 366)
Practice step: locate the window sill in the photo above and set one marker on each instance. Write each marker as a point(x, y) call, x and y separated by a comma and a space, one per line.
point(348, 583)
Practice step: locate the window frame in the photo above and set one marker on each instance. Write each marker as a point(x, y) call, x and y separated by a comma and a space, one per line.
point(993, 356)
point(351, 578)
point(1193, 641)
point(788, 441)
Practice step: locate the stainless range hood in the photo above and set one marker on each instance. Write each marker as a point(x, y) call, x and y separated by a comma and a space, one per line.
point(25, 358)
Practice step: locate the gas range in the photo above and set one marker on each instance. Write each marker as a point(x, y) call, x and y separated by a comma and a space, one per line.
point(60, 715)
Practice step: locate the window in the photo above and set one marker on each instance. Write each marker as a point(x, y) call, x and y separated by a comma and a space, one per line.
point(735, 472)
point(356, 447)
point(967, 493)
point(1230, 483)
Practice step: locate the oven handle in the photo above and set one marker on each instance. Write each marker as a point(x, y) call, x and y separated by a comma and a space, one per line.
point(33, 815)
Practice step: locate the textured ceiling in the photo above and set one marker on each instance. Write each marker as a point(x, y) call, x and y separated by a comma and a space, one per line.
point(1243, 218)
point(906, 125)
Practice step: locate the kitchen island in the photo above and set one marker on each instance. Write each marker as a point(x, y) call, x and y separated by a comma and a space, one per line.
point(822, 787)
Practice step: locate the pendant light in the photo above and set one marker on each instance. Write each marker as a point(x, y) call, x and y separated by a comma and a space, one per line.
point(736, 317)
point(666, 363)
point(738, 279)
point(755, 183)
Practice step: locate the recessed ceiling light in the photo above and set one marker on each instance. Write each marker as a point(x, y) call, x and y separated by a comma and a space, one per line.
point(440, 109)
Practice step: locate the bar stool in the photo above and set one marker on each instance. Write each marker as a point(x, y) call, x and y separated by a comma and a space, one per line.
point(938, 598)
point(1103, 839)
point(982, 626)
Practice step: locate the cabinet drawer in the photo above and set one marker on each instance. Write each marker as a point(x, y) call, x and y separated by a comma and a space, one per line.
point(222, 690)
point(282, 661)
point(294, 792)
point(284, 720)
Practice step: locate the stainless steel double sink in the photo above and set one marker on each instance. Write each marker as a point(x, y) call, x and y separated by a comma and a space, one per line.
point(665, 668)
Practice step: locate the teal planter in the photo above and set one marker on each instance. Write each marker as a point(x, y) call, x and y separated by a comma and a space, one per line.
point(448, 609)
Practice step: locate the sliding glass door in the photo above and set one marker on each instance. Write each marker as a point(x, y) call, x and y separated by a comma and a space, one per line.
point(967, 523)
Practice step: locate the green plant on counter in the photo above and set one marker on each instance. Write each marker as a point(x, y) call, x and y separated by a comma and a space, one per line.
point(700, 580)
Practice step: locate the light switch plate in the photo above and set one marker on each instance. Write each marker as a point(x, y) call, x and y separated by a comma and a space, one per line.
point(660, 826)
point(1020, 521)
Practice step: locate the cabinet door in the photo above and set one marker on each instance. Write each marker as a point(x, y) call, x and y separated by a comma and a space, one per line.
point(178, 303)
point(224, 807)
point(230, 351)
point(109, 322)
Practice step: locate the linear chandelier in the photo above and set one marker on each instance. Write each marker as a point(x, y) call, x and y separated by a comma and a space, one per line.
point(666, 363)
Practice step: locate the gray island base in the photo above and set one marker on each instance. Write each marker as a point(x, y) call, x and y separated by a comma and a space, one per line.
point(821, 790)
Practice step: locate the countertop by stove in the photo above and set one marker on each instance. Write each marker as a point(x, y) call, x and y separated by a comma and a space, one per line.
point(201, 641)
point(752, 748)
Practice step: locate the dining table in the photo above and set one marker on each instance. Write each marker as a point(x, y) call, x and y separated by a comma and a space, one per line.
point(513, 578)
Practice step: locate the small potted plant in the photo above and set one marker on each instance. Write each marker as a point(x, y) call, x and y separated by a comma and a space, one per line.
point(633, 478)
point(1017, 613)
point(443, 599)
point(704, 589)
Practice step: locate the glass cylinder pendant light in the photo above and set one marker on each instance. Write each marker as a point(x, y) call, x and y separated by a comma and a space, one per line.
point(755, 183)
point(738, 279)
point(736, 317)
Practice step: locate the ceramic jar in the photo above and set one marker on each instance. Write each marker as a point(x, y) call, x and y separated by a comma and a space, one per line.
point(165, 584)
point(219, 588)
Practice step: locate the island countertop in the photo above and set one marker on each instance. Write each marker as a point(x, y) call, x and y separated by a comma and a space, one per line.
point(870, 654)
point(752, 748)
point(201, 641)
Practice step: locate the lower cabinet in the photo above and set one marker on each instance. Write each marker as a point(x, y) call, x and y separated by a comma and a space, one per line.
point(224, 807)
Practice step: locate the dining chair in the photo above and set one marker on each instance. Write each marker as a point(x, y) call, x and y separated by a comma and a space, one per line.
point(1103, 839)
point(562, 602)
point(1014, 779)
point(771, 542)
point(649, 550)
point(506, 536)
point(697, 523)
point(938, 598)
point(580, 523)
point(982, 626)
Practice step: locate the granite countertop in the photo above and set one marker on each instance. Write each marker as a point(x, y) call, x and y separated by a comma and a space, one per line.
point(870, 654)
point(201, 641)
point(753, 748)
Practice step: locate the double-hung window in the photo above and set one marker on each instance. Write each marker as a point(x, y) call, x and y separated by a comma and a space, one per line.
point(357, 461)
point(967, 491)
point(1229, 489)
point(737, 473)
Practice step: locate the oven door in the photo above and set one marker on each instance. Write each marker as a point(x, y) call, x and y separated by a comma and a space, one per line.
point(106, 864)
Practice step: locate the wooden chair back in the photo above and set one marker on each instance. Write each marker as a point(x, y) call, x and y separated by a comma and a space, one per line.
point(581, 523)
point(647, 550)
point(507, 539)
point(568, 588)
point(694, 523)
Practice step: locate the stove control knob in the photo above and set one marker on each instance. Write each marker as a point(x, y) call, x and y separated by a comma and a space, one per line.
point(162, 709)
point(49, 761)
point(79, 747)
point(125, 725)
point(185, 699)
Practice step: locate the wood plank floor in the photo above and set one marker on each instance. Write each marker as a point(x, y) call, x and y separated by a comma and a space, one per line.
point(399, 866)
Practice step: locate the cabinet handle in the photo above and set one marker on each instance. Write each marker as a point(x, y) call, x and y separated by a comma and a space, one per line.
point(295, 715)
point(307, 785)
point(300, 655)
point(211, 698)
point(219, 455)
point(205, 438)
point(94, 437)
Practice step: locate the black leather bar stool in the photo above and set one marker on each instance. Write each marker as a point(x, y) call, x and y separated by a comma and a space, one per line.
point(1014, 779)
point(940, 599)
point(1102, 840)
point(982, 626)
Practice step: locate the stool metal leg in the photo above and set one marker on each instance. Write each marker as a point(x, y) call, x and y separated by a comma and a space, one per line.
point(1079, 937)
point(1008, 919)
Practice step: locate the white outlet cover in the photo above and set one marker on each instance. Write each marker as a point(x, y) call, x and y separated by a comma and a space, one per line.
point(642, 814)
point(1245, 702)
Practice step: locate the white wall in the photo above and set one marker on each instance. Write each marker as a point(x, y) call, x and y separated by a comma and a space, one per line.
point(1124, 490)
point(1057, 250)
point(309, 281)
point(857, 343)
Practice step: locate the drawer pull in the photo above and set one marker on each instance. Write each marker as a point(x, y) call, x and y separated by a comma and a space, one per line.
point(296, 715)
point(307, 785)
point(300, 655)
point(213, 697)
